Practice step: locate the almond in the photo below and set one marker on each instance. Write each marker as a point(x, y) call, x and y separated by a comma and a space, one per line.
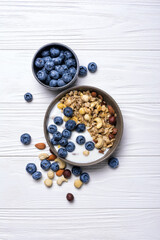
point(52, 157)
point(93, 94)
point(111, 110)
point(40, 146)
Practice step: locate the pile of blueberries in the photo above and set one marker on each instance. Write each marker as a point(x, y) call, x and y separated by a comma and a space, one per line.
point(56, 67)
point(62, 138)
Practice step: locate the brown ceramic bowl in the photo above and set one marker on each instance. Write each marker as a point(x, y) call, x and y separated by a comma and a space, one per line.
point(109, 100)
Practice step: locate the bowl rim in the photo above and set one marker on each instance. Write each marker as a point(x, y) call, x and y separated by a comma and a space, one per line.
point(47, 86)
point(118, 111)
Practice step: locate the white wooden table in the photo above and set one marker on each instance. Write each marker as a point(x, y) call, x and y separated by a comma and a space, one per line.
point(123, 38)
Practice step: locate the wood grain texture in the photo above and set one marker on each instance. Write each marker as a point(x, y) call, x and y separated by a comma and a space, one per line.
point(79, 224)
point(102, 25)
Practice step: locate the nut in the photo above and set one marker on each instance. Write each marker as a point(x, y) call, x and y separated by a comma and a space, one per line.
point(68, 102)
point(59, 172)
point(62, 164)
point(99, 122)
point(93, 94)
point(115, 130)
point(43, 156)
point(86, 153)
point(87, 117)
point(100, 142)
point(60, 180)
point(78, 183)
point(52, 157)
point(50, 174)
point(85, 98)
point(111, 136)
point(82, 111)
point(112, 120)
point(48, 182)
point(40, 146)
point(111, 110)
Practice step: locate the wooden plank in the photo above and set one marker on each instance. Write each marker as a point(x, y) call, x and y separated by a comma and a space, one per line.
point(134, 185)
point(77, 224)
point(130, 77)
point(99, 25)
point(141, 129)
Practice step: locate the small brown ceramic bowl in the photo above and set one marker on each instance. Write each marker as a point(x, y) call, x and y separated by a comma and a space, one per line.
point(61, 47)
point(109, 100)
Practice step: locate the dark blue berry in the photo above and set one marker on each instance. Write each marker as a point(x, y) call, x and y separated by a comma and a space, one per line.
point(37, 175)
point(63, 142)
point(70, 125)
point(54, 142)
point(84, 177)
point(47, 80)
point(52, 128)
point(57, 61)
point(70, 147)
point(82, 71)
point(28, 97)
point(68, 112)
point(65, 67)
point(54, 52)
point(76, 171)
point(45, 164)
point(70, 62)
point(92, 67)
point(89, 145)
point(54, 74)
point(72, 71)
point(48, 58)
point(57, 136)
point(60, 83)
point(113, 162)
point(39, 62)
point(42, 75)
point(66, 133)
point(62, 152)
point(54, 166)
point(60, 69)
point(45, 53)
point(67, 54)
point(61, 54)
point(58, 120)
point(66, 77)
point(80, 127)
point(80, 140)
point(49, 65)
point(31, 168)
point(25, 138)
point(53, 83)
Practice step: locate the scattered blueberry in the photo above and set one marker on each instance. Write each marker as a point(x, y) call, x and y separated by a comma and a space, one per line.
point(80, 140)
point(70, 125)
point(92, 67)
point(71, 62)
point(84, 177)
point(25, 138)
point(31, 168)
point(39, 62)
point(49, 65)
point(45, 53)
point(66, 77)
point(54, 52)
point(37, 175)
point(54, 74)
point(67, 54)
point(62, 152)
point(72, 71)
point(113, 162)
point(66, 133)
point(57, 136)
point(58, 120)
point(68, 112)
point(48, 58)
point(42, 75)
point(80, 127)
point(82, 71)
point(53, 83)
point(76, 171)
point(52, 128)
point(54, 166)
point(63, 142)
point(70, 147)
point(60, 83)
point(54, 142)
point(45, 164)
point(28, 97)
point(89, 145)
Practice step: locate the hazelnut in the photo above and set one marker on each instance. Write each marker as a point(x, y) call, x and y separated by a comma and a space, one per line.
point(111, 110)
point(93, 94)
point(115, 130)
point(112, 120)
point(100, 96)
point(111, 136)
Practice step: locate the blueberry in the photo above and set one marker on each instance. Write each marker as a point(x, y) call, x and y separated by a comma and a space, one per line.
point(45, 53)
point(54, 166)
point(58, 120)
point(28, 97)
point(54, 74)
point(70, 125)
point(80, 140)
point(53, 83)
point(82, 71)
point(89, 145)
point(48, 58)
point(49, 65)
point(52, 128)
point(60, 83)
point(84, 177)
point(72, 71)
point(31, 168)
point(47, 80)
point(60, 69)
point(76, 171)
point(70, 62)
point(42, 75)
point(65, 67)
point(62, 152)
point(68, 112)
point(70, 147)
point(67, 54)
point(66, 133)
point(25, 138)
point(66, 77)
point(61, 54)
point(63, 142)
point(54, 142)
point(45, 164)
point(57, 136)
point(39, 62)
point(54, 52)
point(80, 127)
point(37, 175)
point(92, 67)
point(113, 162)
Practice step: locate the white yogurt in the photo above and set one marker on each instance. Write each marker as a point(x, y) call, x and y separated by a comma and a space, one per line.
point(77, 155)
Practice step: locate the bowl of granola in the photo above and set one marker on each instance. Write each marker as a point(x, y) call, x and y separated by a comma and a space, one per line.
point(83, 125)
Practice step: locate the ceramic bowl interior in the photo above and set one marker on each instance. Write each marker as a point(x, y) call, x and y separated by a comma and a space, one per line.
point(61, 47)
point(109, 100)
